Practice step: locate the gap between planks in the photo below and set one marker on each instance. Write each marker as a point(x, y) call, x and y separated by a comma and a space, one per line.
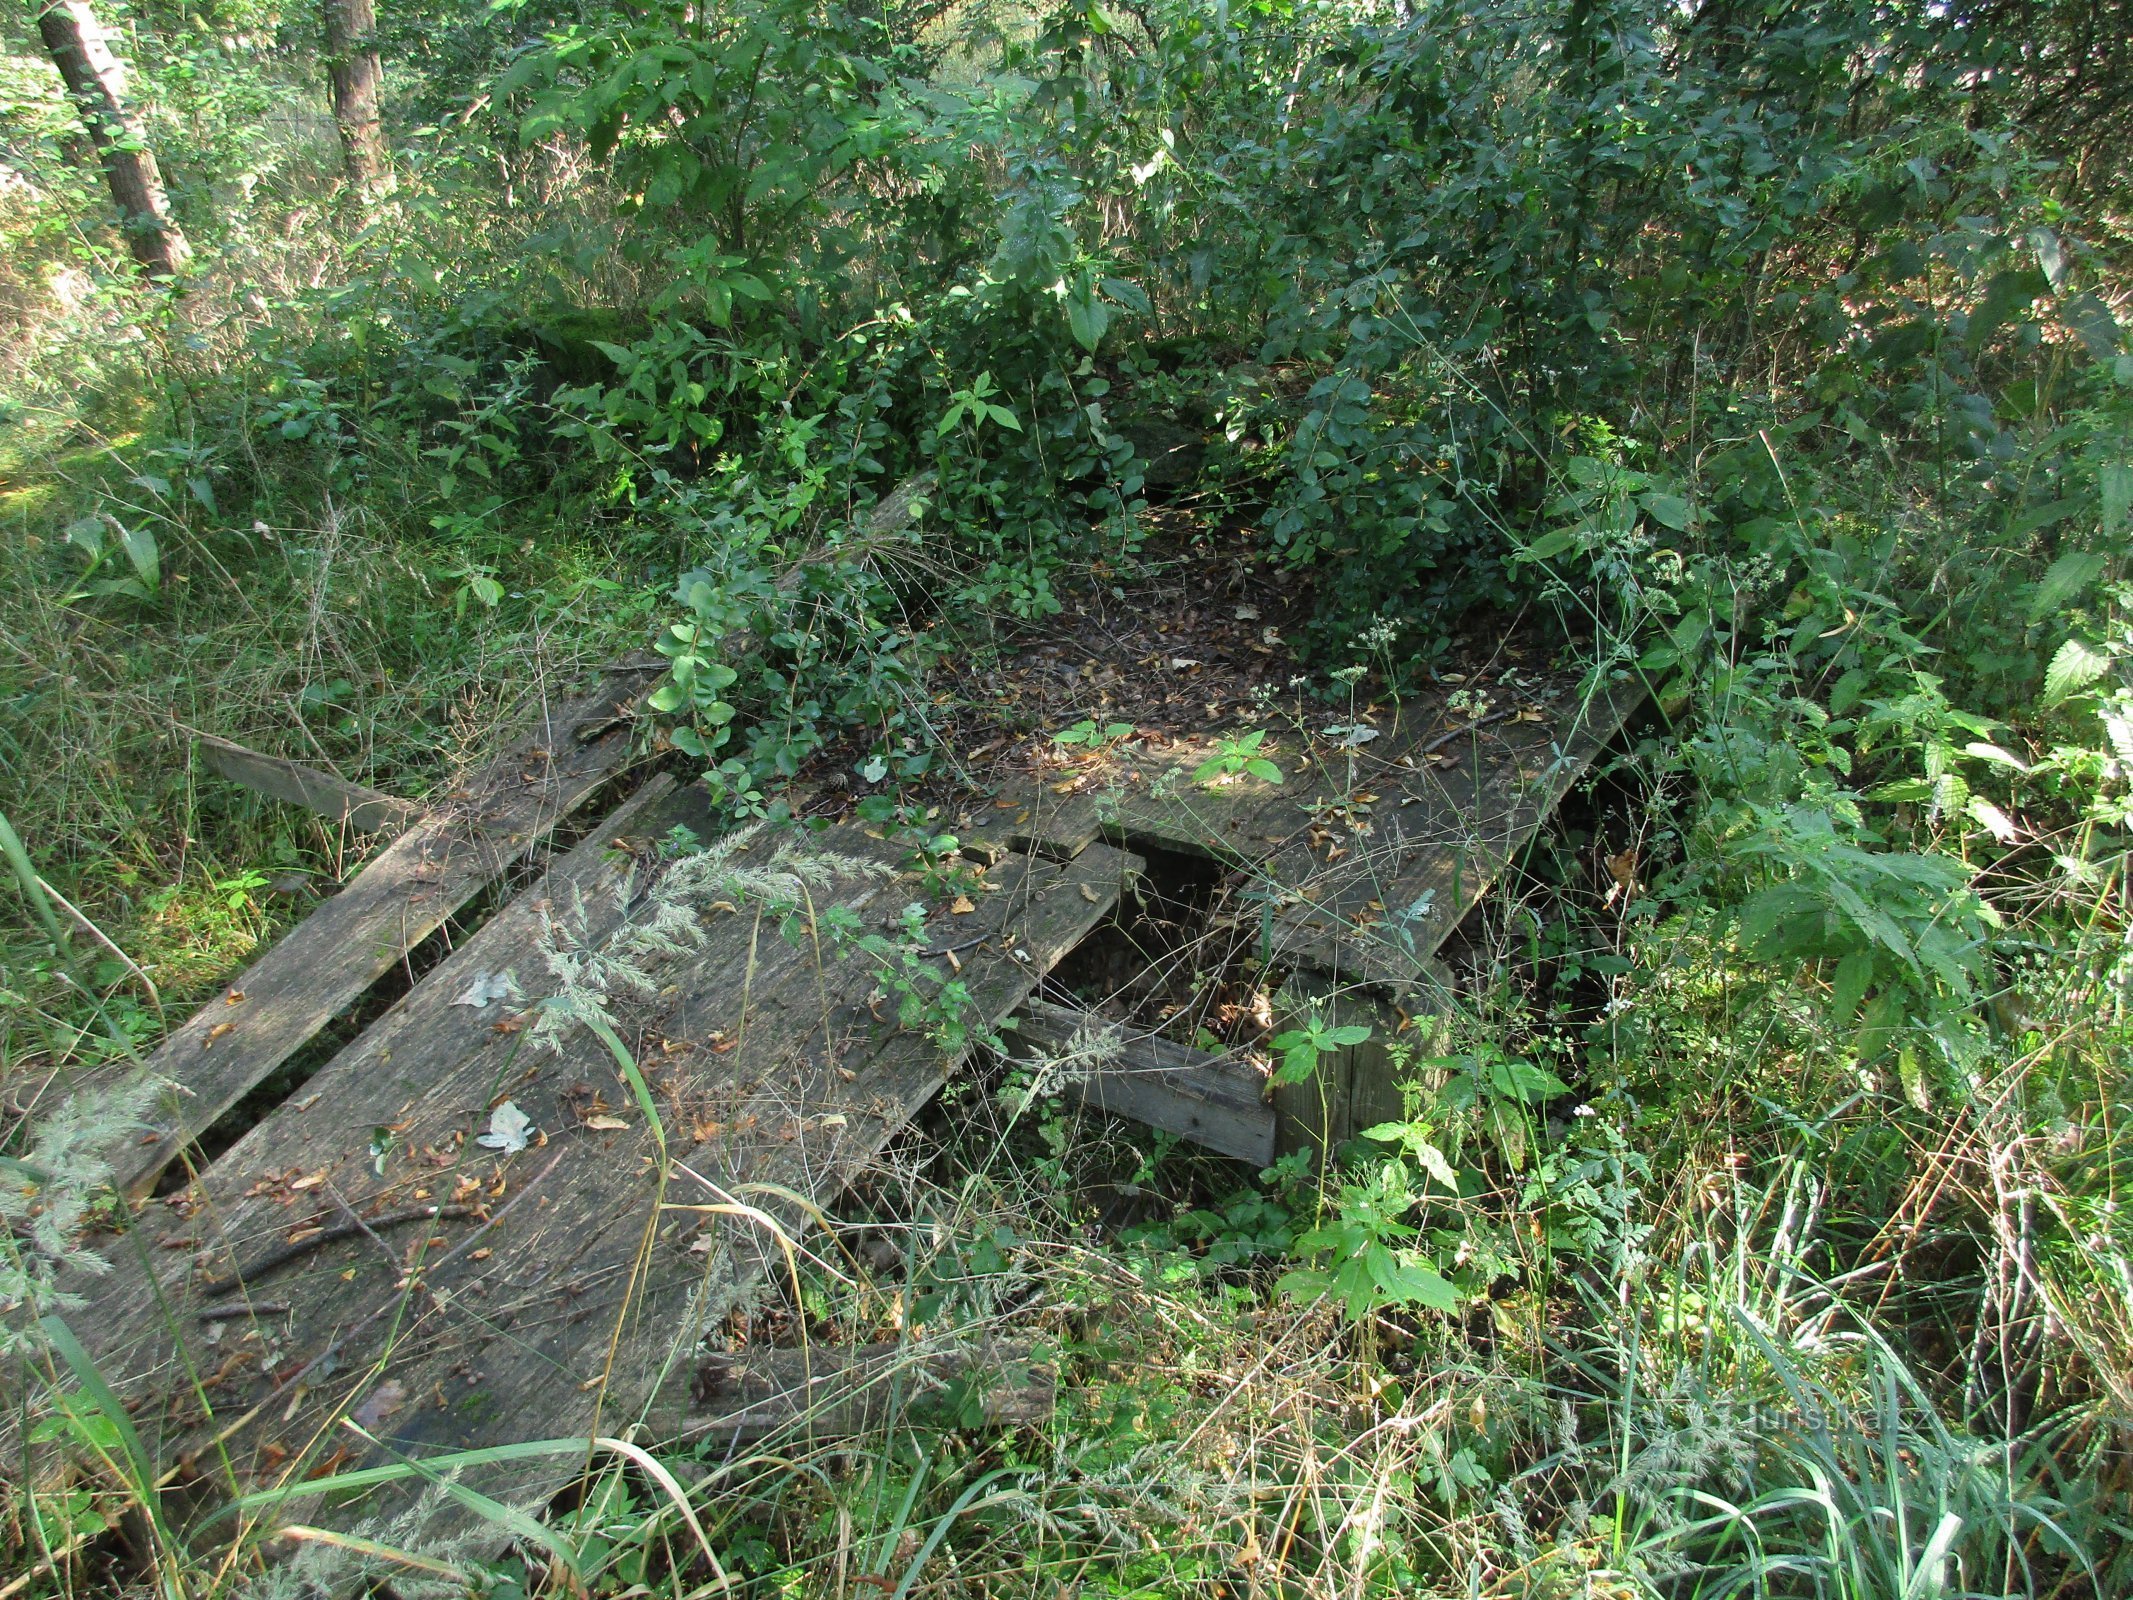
point(784, 1086)
point(326, 962)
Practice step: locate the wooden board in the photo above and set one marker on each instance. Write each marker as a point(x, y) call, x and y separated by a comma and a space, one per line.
point(836, 1393)
point(327, 961)
point(1216, 1101)
point(567, 1293)
point(1373, 891)
point(1373, 855)
point(336, 799)
point(1029, 818)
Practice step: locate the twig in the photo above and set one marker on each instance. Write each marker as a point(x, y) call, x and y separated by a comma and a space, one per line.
point(265, 1308)
point(354, 1228)
point(1443, 739)
point(948, 948)
point(438, 1265)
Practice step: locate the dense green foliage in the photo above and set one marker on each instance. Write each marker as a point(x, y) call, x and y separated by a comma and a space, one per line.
point(1760, 1228)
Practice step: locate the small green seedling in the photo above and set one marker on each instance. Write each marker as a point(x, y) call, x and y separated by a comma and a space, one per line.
point(1089, 736)
point(1301, 1047)
point(978, 404)
point(1235, 756)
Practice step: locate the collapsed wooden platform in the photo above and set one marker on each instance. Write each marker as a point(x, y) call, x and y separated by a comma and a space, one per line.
point(511, 1208)
point(1348, 875)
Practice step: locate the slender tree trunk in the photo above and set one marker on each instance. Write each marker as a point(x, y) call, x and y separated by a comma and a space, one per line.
point(96, 81)
point(352, 63)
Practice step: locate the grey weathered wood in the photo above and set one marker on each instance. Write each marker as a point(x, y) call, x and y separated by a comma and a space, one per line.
point(1440, 834)
point(1356, 1086)
point(1453, 805)
point(578, 1306)
point(1216, 1101)
point(363, 809)
point(327, 961)
point(1151, 798)
point(1141, 796)
point(839, 1392)
point(1029, 818)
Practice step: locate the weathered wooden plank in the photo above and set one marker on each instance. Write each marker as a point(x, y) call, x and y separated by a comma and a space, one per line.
point(363, 809)
point(840, 1392)
point(1146, 797)
point(1030, 819)
point(1216, 1101)
point(1375, 891)
point(1151, 798)
point(555, 1290)
point(326, 962)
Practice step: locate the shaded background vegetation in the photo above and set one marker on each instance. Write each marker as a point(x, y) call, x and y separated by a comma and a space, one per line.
point(1773, 355)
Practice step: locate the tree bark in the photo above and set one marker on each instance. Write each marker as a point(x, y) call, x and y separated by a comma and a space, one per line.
point(352, 64)
point(96, 82)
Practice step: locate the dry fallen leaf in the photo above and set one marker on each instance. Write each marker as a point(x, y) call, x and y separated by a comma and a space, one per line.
point(961, 906)
point(382, 1402)
point(487, 986)
point(508, 1128)
point(606, 1124)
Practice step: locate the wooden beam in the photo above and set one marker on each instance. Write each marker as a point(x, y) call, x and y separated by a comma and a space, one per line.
point(828, 1392)
point(336, 799)
point(1216, 1101)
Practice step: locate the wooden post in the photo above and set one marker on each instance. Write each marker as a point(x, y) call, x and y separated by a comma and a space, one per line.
point(1358, 1086)
point(96, 82)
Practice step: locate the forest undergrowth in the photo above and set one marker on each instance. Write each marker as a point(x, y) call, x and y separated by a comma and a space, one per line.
point(1754, 1224)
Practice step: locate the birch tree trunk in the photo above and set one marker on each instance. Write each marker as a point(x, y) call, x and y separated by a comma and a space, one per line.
point(352, 64)
point(96, 82)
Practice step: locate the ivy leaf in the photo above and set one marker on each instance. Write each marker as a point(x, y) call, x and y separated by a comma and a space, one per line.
point(1669, 510)
point(1993, 820)
point(1403, 1280)
point(1854, 973)
point(1996, 755)
point(2116, 486)
point(2092, 323)
point(1434, 1163)
point(1548, 546)
point(1087, 318)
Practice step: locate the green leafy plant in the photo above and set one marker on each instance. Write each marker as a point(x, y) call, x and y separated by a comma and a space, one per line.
point(1088, 735)
point(1367, 1254)
point(1301, 1049)
point(978, 407)
point(1237, 756)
